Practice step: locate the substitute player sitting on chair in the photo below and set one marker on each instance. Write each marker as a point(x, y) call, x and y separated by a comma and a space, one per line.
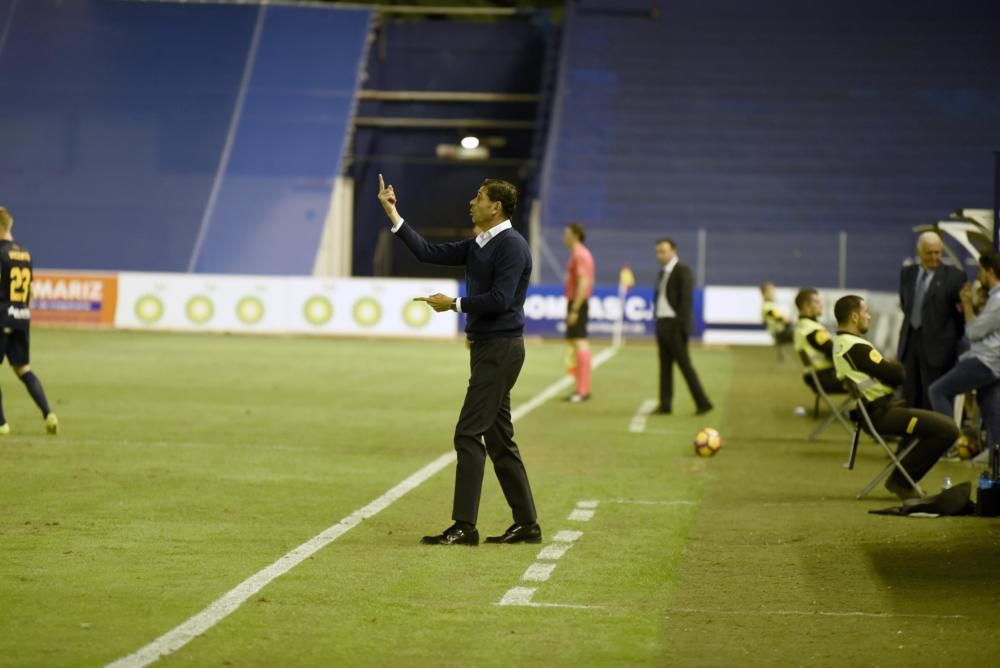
point(876, 378)
point(775, 320)
point(813, 339)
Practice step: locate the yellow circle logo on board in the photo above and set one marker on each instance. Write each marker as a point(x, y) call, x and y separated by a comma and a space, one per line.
point(416, 314)
point(367, 312)
point(250, 310)
point(318, 310)
point(199, 309)
point(149, 309)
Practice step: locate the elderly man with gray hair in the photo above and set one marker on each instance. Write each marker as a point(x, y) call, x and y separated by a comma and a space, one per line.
point(933, 324)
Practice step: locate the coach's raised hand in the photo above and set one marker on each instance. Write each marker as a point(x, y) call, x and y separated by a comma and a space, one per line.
point(387, 196)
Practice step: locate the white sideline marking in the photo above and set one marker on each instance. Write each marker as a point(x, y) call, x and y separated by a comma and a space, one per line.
point(581, 515)
point(638, 424)
point(554, 551)
point(538, 572)
point(228, 602)
point(222, 607)
point(567, 536)
point(558, 386)
point(810, 613)
point(565, 605)
point(641, 502)
point(587, 504)
point(532, 604)
point(518, 596)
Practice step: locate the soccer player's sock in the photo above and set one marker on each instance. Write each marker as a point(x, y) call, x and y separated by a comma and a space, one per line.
point(583, 371)
point(569, 359)
point(34, 386)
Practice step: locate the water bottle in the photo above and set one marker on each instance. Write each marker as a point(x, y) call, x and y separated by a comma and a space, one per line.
point(985, 481)
point(946, 484)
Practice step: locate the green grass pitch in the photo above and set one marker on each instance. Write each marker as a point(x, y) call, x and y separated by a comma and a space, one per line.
point(187, 463)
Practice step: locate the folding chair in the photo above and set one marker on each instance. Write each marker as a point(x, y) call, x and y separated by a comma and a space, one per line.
point(837, 412)
point(864, 421)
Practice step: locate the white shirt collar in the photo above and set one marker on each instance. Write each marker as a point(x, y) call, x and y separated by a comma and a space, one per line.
point(669, 267)
point(484, 238)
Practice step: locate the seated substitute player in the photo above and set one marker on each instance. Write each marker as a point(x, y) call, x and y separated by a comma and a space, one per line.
point(813, 338)
point(876, 378)
point(15, 319)
point(775, 321)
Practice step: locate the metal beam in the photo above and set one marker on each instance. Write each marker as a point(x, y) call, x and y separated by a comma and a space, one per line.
point(456, 123)
point(453, 11)
point(445, 96)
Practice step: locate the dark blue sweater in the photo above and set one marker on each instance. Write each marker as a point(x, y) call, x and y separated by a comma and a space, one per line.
point(496, 278)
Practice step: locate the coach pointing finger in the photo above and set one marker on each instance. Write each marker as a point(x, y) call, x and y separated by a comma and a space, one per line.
point(498, 266)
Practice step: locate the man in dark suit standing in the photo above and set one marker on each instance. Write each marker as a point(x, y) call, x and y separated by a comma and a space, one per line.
point(498, 265)
point(672, 304)
point(930, 295)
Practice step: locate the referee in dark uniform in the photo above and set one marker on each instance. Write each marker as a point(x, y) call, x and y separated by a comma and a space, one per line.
point(498, 266)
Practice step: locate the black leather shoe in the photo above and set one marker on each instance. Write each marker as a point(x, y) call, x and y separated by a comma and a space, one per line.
point(453, 535)
point(662, 410)
point(704, 409)
point(519, 533)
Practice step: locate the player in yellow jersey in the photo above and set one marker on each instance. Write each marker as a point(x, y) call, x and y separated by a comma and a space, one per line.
point(15, 319)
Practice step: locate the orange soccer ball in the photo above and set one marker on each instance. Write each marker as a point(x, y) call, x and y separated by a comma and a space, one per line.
point(707, 442)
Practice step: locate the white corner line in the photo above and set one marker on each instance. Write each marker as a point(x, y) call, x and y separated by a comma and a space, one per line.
point(554, 552)
point(567, 536)
point(638, 424)
point(222, 607)
point(518, 596)
point(538, 572)
point(810, 613)
point(588, 504)
point(565, 605)
point(643, 502)
point(581, 515)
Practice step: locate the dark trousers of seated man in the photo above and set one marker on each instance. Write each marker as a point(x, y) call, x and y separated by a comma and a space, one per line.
point(936, 432)
point(485, 418)
point(828, 379)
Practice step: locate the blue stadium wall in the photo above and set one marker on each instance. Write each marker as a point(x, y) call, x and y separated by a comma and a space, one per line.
point(772, 125)
point(169, 137)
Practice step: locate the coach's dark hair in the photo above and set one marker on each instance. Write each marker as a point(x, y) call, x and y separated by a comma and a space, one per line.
point(503, 192)
point(990, 260)
point(803, 297)
point(667, 240)
point(578, 231)
point(845, 306)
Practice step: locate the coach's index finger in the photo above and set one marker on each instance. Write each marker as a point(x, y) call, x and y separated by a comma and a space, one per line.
point(422, 299)
point(381, 183)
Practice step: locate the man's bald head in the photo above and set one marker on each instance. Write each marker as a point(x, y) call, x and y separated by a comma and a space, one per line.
point(929, 249)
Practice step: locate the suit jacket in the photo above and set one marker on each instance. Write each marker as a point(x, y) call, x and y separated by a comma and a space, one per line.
point(680, 294)
point(941, 323)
